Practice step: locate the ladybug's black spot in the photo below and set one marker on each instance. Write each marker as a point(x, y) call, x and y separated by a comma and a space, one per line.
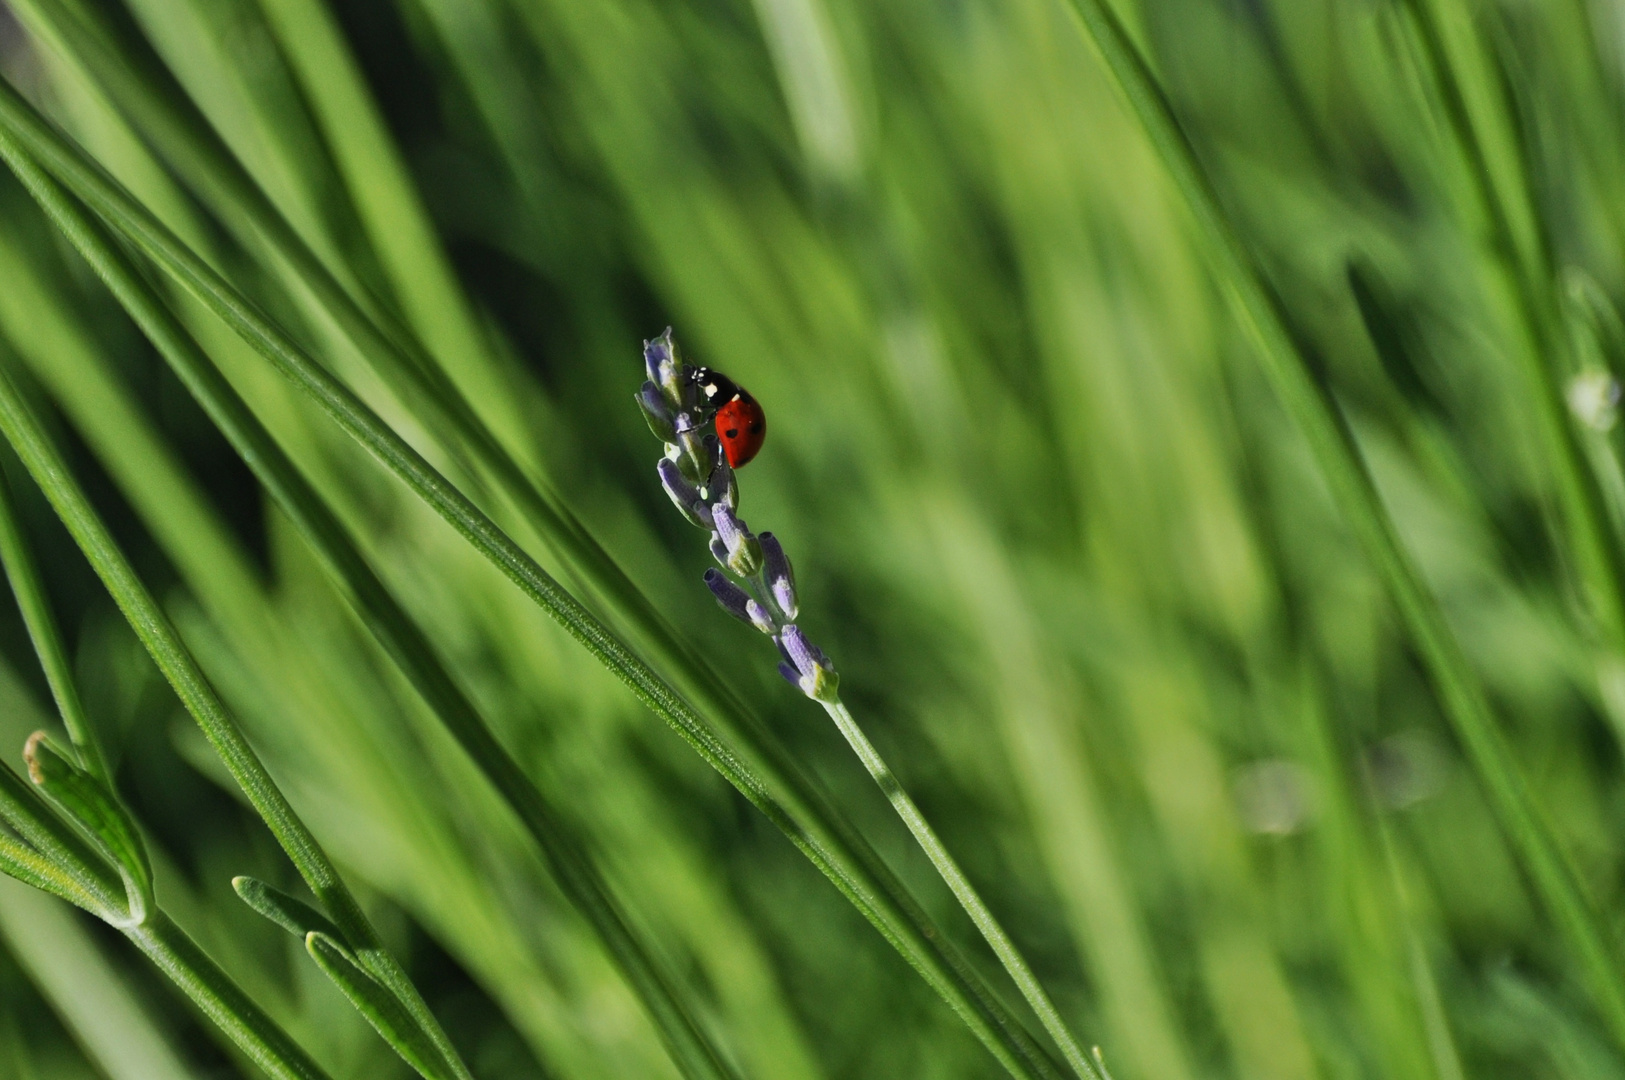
point(754, 428)
point(732, 433)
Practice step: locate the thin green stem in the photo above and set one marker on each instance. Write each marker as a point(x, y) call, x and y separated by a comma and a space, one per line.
point(47, 640)
point(793, 804)
point(222, 1000)
point(963, 890)
point(400, 635)
point(1262, 316)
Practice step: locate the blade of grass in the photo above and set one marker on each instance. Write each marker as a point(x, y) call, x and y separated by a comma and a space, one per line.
point(222, 1000)
point(386, 618)
point(1259, 311)
point(794, 805)
point(162, 641)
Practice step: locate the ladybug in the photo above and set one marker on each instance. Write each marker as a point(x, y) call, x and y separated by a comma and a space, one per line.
point(741, 424)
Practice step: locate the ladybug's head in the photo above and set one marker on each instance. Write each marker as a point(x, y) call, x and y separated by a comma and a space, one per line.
point(716, 389)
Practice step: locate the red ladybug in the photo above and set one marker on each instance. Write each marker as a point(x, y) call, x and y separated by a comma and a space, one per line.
point(741, 423)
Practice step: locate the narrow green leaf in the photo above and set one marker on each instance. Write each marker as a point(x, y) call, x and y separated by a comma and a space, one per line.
point(222, 1000)
point(97, 886)
point(289, 912)
point(84, 799)
point(379, 1006)
point(28, 866)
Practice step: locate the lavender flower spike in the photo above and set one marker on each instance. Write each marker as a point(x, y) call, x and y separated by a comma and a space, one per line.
point(781, 579)
point(744, 551)
point(684, 494)
point(818, 679)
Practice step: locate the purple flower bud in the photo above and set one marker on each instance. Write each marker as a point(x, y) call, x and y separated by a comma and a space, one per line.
point(684, 494)
point(734, 600)
point(744, 552)
point(719, 550)
point(781, 577)
point(790, 674)
point(801, 652)
point(817, 675)
point(761, 618)
point(657, 413)
point(730, 529)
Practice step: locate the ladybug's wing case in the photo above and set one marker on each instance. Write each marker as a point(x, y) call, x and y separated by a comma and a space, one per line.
point(742, 428)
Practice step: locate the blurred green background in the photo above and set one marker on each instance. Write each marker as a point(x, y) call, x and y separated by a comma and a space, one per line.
point(1081, 576)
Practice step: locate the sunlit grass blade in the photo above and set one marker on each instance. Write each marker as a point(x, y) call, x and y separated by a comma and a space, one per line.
point(382, 1011)
point(389, 622)
point(222, 1000)
point(1259, 311)
point(792, 804)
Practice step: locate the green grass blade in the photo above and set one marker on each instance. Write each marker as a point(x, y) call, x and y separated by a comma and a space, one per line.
point(28, 866)
point(380, 1008)
point(389, 622)
point(54, 850)
point(292, 914)
point(47, 640)
point(222, 1000)
point(1259, 311)
point(963, 890)
point(791, 804)
point(85, 799)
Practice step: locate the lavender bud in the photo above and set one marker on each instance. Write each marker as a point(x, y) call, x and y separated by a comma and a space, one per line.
point(738, 603)
point(734, 600)
point(657, 413)
point(719, 550)
point(684, 494)
point(791, 675)
point(761, 618)
point(818, 679)
point(665, 369)
point(744, 551)
point(781, 578)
